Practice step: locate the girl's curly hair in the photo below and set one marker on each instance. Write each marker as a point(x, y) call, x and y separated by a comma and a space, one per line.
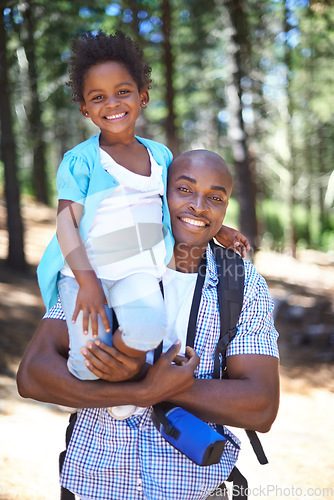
point(91, 48)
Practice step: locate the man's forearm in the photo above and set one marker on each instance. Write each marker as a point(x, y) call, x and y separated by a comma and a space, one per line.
point(48, 380)
point(250, 403)
point(43, 375)
point(228, 402)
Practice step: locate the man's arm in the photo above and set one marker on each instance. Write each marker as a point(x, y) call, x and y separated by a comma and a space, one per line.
point(249, 398)
point(43, 375)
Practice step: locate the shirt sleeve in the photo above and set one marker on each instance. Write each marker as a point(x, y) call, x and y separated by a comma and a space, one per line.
point(73, 178)
point(256, 333)
point(56, 312)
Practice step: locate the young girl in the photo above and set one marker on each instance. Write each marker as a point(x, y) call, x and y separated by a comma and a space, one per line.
point(113, 227)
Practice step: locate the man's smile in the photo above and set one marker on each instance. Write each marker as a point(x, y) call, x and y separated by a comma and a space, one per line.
point(193, 222)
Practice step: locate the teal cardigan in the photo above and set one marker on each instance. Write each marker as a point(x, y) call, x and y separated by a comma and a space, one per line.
point(81, 178)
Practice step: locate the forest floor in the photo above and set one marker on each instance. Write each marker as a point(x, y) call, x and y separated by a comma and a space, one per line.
point(300, 444)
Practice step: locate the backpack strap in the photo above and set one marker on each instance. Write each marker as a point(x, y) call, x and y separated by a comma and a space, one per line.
point(231, 278)
point(64, 493)
point(257, 447)
point(191, 331)
point(240, 485)
point(231, 273)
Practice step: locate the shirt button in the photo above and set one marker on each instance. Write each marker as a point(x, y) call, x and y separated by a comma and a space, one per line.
point(139, 488)
point(139, 481)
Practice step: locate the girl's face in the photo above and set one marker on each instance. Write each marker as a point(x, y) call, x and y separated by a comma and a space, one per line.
point(112, 100)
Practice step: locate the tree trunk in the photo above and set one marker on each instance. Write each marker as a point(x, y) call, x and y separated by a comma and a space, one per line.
point(168, 63)
point(39, 180)
point(290, 226)
point(245, 185)
point(134, 6)
point(16, 258)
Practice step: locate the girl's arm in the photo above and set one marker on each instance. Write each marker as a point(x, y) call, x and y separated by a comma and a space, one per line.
point(90, 297)
point(231, 238)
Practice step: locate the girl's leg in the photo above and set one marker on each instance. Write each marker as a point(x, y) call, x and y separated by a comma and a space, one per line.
point(139, 306)
point(68, 289)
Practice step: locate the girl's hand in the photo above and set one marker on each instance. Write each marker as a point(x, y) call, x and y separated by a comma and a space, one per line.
point(233, 239)
point(91, 301)
point(107, 363)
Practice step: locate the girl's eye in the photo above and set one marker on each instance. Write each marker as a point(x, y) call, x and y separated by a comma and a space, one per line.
point(124, 92)
point(97, 98)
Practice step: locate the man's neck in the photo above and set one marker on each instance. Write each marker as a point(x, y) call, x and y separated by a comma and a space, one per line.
point(186, 259)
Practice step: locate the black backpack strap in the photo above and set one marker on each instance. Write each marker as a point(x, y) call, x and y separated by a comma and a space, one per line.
point(257, 447)
point(159, 412)
point(231, 273)
point(191, 332)
point(231, 278)
point(240, 485)
point(64, 493)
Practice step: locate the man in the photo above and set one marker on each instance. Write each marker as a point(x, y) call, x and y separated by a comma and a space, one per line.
point(123, 459)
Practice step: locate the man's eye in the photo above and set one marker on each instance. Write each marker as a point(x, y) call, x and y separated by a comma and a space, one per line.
point(216, 198)
point(184, 190)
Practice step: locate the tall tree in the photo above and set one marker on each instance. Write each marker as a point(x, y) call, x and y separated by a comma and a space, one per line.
point(239, 53)
point(16, 257)
point(36, 127)
point(291, 163)
point(168, 62)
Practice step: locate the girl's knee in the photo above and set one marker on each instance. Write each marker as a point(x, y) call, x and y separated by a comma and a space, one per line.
point(144, 333)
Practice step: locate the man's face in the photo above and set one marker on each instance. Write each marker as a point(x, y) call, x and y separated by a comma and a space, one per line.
point(199, 187)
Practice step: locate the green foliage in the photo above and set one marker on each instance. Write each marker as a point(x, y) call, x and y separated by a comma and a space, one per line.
point(287, 97)
point(273, 218)
point(232, 214)
point(274, 215)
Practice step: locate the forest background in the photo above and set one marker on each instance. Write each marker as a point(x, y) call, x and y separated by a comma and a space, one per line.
point(252, 80)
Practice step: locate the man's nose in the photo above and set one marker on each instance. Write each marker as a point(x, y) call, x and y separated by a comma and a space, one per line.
point(198, 204)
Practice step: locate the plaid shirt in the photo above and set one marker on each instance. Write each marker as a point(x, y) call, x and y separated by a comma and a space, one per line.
point(110, 459)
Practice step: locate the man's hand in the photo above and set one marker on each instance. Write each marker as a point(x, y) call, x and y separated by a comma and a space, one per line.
point(233, 239)
point(166, 379)
point(107, 363)
point(91, 300)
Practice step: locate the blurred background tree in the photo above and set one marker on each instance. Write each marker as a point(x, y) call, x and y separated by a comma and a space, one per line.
point(252, 81)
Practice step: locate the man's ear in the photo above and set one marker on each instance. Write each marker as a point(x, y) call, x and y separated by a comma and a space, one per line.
point(144, 98)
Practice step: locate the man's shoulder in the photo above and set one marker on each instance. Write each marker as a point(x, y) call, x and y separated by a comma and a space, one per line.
point(252, 275)
point(233, 264)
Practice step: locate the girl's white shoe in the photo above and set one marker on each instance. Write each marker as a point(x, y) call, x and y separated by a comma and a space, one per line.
point(121, 412)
